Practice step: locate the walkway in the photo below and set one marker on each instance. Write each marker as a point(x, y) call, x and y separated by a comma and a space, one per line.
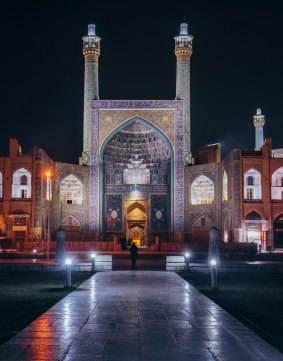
point(137, 316)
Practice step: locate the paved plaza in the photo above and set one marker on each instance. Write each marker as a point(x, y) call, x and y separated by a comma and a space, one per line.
point(137, 316)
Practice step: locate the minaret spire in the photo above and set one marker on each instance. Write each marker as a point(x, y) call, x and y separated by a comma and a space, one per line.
point(91, 52)
point(259, 121)
point(183, 52)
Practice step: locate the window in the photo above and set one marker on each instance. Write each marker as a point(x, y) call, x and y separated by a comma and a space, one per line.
point(24, 193)
point(250, 180)
point(21, 187)
point(277, 184)
point(250, 193)
point(252, 185)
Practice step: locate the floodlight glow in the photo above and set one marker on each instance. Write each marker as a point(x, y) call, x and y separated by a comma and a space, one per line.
point(187, 255)
point(91, 29)
point(213, 262)
point(34, 251)
point(68, 261)
point(93, 255)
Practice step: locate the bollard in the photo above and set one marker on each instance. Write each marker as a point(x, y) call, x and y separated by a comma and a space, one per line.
point(93, 262)
point(213, 273)
point(187, 259)
point(68, 263)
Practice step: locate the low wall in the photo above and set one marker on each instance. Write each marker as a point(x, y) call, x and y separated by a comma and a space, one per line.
point(175, 263)
point(103, 263)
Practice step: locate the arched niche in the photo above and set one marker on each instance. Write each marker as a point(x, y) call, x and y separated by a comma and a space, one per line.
point(253, 216)
point(277, 184)
point(21, 186)
point(71, 190)
point(252, 185)
point(253, 227)
point(278, 231)
point(202, 190)
point(202, 221)
point(71, 221)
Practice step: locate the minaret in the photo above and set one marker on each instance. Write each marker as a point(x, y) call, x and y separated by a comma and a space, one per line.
point(259, 121)
point(183, 52)
point(91, 52)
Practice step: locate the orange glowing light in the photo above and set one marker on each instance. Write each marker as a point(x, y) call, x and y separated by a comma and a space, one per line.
point(48, 173)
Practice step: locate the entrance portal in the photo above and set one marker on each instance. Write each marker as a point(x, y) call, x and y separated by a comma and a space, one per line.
point(136, 221)
point(278, 232)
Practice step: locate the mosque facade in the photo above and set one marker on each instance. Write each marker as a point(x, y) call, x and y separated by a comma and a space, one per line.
point(138, 178)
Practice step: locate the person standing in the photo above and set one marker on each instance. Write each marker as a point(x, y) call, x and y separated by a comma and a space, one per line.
point(134, 254)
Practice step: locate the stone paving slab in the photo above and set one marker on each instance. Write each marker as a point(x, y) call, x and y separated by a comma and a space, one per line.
point(137, 316)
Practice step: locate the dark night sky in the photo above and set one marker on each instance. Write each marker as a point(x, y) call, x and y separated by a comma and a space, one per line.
point(237, 66)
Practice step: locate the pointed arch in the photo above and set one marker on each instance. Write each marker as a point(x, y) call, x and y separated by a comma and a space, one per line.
point(21, 186)
point(71, 221)
point(252, 185)
point(253, 216)
point(202, 190)
point(71, 190)
point(102, 166)
point(278, 231)
point(136, 205)
point(277, 184)
point(202, 221)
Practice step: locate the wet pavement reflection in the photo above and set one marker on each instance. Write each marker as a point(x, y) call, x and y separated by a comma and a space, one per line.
point(136, 315)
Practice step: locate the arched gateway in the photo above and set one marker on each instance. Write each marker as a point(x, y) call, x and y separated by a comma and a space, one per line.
point(136, 183)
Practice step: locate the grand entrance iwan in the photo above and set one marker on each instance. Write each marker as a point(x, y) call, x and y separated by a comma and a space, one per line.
point(137, 183)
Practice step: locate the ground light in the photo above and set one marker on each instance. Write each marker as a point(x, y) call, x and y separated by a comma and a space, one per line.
point(68, 263)
point(93, 261)
point(213, 273)
point(187, 260)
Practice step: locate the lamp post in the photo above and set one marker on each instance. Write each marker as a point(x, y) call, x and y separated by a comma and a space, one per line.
point(187, 260)
point(68, 263)
point(48, 197)
point(213, 273)
point(93, 262)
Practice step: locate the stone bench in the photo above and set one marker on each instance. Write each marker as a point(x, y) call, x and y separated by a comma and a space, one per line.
point(176, 263)
point(103, 262)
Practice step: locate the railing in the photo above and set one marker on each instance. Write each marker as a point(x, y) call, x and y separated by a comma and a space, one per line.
point(252, 200)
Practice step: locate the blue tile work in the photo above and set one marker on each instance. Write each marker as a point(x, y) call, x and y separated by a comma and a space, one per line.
point(114, 212)
point(172, 130)
point(159, 213)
